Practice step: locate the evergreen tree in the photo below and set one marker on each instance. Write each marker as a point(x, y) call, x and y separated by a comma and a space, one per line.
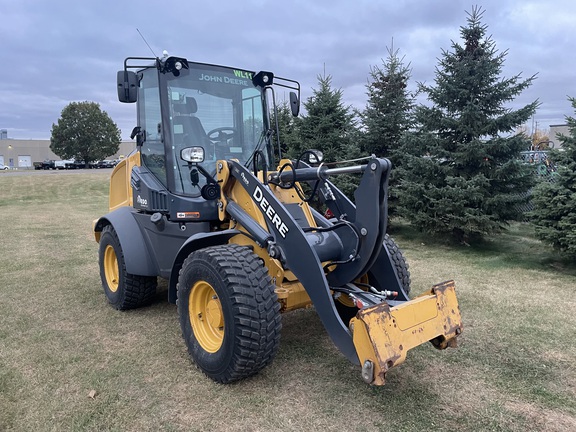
point(288, 129)
point(84, 132)
point(555, 202)
point(328, 125)
point(462, 177)
point(388, 116)
point(388, 111)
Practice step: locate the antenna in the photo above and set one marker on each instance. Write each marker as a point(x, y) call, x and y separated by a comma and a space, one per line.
point(144, 39)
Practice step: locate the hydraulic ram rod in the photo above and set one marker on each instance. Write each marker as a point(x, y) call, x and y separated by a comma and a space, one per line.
point(319, 173)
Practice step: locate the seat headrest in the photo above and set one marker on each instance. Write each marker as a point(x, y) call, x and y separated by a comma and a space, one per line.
point(189, 107)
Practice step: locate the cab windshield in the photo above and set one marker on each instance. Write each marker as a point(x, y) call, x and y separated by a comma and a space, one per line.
point(218, 109)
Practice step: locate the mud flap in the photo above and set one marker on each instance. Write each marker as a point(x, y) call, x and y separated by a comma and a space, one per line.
point(383, 335)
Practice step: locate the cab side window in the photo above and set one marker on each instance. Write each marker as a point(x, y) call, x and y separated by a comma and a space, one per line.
point(153, 155)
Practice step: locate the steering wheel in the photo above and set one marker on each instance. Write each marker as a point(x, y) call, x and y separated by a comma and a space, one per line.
point(222, 134)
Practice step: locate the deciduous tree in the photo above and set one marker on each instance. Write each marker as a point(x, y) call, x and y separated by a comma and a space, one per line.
point(84, 132)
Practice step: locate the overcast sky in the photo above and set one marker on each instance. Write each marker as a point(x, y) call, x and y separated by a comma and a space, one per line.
point(56, 52)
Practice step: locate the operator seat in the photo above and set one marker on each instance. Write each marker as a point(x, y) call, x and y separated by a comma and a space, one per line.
point(188, 130)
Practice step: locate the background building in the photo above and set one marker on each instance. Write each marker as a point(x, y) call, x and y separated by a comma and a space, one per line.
point(23, 153)
point(558, 129)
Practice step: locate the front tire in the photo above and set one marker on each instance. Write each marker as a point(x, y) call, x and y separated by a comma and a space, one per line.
point(229, 312)
point(123, 290)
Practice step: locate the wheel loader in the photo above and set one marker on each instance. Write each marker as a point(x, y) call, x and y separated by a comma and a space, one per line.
point(208, 202)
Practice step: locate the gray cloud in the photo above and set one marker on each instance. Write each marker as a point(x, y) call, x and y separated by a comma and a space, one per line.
point(62, 51)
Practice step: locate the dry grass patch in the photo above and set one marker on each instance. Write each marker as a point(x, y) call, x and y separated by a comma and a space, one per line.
point(543, 419)
point(60, 339)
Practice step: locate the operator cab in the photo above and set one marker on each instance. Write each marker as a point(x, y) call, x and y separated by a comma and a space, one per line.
point(214, 112)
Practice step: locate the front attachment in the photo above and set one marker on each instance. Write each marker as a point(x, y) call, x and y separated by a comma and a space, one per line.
point(383, 335)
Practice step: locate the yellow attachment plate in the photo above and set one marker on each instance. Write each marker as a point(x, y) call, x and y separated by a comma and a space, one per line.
point(383, 335)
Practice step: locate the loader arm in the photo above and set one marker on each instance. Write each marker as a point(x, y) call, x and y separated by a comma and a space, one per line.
point(288, 243)
point(329, 258)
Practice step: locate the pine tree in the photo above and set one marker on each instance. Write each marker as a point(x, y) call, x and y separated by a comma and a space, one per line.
point(288, 127)
point(463, 177)
point(555, 202)
point(330, 127)
point(388, 116)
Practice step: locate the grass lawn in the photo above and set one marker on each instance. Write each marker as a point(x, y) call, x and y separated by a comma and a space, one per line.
point(515, 369)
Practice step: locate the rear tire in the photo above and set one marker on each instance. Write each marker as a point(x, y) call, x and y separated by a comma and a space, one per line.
point(399, 263)
point(123, 290)
point(229, 312)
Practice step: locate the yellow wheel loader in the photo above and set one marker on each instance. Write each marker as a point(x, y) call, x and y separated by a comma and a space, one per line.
point(208, 203)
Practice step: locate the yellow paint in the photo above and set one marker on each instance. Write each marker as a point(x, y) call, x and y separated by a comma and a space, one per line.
point(120, 189)
point(383, 335)
point(111, 271)
point(291, 293)
point(206, 318)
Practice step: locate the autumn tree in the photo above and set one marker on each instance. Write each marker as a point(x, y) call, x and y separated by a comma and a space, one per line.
point(463, 177)
point(539, 138)
point(84, 132)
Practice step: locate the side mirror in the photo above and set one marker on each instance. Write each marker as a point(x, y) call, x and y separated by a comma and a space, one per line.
point(294, 104)
point(127, 86)
point(312, 157)
point(192, 154)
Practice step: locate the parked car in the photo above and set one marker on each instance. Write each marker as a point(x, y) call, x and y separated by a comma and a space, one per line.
point(48, 164)
point(77, 164)
point(4, 167)
point(106, 164)
point(63, 164)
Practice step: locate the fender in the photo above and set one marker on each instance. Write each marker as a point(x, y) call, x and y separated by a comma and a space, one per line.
point(136, 256)
point(197, 241)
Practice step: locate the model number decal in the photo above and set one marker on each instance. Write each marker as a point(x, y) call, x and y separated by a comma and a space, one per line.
point(269, 211)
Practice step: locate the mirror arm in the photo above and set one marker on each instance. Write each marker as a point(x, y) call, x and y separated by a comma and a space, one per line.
point(205, 173)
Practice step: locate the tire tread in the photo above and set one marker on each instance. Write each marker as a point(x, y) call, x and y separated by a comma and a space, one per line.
point(136, 290)
point(257, 319)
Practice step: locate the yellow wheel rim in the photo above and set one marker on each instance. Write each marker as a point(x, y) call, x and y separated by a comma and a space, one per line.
point(345, 298)
point(111, 268)
point(206, 318)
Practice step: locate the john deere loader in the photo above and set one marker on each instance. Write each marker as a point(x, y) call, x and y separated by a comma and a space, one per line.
point(208, 203)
